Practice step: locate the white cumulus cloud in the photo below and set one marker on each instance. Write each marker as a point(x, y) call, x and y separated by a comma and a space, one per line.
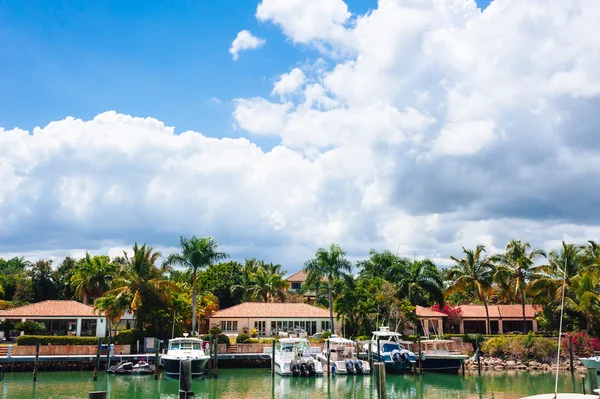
point(245, 41)
point(289, 82)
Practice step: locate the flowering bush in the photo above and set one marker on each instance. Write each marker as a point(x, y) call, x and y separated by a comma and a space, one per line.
point(583, 344)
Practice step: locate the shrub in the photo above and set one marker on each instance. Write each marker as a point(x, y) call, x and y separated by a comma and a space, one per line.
point(30, 327)
point(215, 331)
point(223, 339)
point(583, 344)
point(363, 338)
point(241, 338)
point(52, 340)
point(494, 347)
point(206, 337)
point(126, 337)
point(544, 350)
point(326, 335)
point(520, 347)
point(254, 332)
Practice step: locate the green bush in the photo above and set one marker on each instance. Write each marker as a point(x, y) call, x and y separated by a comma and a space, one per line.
point(241, 338)
point(326, 335)
point(30, 327)
point(521, 347)
point(206, 337)
point(215, 331)
point(126, 337)
point(223, 339)
point(258, 341)
point(25, 340)
point(363, 338)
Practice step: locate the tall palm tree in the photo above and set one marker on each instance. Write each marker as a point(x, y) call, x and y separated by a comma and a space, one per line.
point(140, 279)
point(591, 255)
point(332, 264)
point(384, 264)
point(516, 264)
point(92, 276)
point(422, 281)
point(473, 272)
point(244, 289)
point(196, 253)
point(267, 285)
point(584, 296)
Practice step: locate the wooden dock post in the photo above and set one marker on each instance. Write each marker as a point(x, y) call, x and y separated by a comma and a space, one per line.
point(328, 359)
point(97, 367)
point(370, 356)
point(108, 354)
point(216, 349)
point(571, 354)
point(97, 395)
point(592, 376)
point(273, 359)
point(478, 354)
point(379, 369)
point(156, 359)
point(37, 358)
point(378, 350)
point(185, 379)
point(420, 361)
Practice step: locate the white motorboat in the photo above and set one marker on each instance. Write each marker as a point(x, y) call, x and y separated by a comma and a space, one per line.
point(185, 349)
point(292, 357)
point(438, 357)
point(342, 357)
point(386, 348)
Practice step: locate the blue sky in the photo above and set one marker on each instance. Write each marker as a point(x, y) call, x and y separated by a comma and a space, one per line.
point(165, 59)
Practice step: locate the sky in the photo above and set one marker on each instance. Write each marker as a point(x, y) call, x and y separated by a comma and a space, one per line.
point(279, 126)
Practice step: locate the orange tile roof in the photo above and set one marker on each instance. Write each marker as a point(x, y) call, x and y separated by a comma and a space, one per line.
point(298, 277)
point(497, 311)
point(51, 309)
point(428, 312)
point(272, 310)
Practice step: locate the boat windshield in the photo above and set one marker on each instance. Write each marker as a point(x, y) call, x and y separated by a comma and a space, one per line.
point(185, 345)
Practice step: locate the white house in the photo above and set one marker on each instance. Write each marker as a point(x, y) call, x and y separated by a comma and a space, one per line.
point(61, 318)
point(271, 318)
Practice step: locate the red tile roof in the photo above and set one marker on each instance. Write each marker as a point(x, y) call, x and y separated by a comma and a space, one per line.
point(51, 309)
point(497, 311)
point(272, 310)
point(428, 312)
point(298, 277)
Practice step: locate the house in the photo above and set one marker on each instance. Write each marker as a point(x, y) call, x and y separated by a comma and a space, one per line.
point(472, 319)
point(271, 318)
point(297, 281)
point(430, 321)
point(61, 318)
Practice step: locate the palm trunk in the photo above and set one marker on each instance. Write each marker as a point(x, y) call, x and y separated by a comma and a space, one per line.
point(194, 303)
point(330, 284)
point(85, 298)
point(487, 316)
point(523, 307)
point(317, 287)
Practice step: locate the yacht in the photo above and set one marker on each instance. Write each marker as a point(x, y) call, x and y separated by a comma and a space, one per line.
point(438, 357)
point(342, 357)
point(185, 349)
point(386, 347)
point(292, 357)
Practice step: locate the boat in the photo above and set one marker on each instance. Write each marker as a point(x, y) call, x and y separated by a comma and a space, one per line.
point(185, 349)
point(437, 356)
point(591, 362)
point(292, 357)
point(342, 357)
point(127, 367)
point(386, 347)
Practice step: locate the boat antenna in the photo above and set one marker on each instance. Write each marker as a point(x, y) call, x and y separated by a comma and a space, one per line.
point(173, 329)
point(562, 309)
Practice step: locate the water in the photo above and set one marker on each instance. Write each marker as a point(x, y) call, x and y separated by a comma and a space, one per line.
point(257, 383)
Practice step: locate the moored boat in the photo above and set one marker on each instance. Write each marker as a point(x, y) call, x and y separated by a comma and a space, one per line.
point(185, 349)
point(342, 357)
point(437, 356)
point(591, 362)
point(292, 357)
point(386, 347)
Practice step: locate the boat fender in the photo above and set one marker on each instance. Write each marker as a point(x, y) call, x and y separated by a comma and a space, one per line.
point(359, 367)
point(396, 356)
point(349, 366)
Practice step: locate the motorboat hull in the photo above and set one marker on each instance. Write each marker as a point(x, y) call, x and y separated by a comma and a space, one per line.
point(171, 366)
point(443, 363)
point(394, 367)
point(339, 367)
point(591, 362)
point(285, 369)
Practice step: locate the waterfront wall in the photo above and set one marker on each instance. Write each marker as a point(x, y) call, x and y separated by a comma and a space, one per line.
point(59, 350)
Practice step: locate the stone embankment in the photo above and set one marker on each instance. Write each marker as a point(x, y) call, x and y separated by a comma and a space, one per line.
point(497, 364)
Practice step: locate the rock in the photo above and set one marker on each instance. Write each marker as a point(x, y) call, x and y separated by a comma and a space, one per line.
point(510, 363)
point(499, 367)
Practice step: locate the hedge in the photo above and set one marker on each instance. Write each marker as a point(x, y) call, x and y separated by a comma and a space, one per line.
point(55, 340)
point(241, 338)
point(127, 337)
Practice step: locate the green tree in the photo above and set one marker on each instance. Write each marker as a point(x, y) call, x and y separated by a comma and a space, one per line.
point(196, 253)
point(591, 256)
point(42, 282)
point(584, 297)
point(63, 275)
point(332, 264)
point(243, 289)
point(219, 278)
point(384, 264)
point(473, 272)
point(268, 283)
point(92, 276)
point(422, 283)
point(516, 264)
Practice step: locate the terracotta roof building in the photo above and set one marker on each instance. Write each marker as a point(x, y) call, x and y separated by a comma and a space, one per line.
point(273, 318)
point(61, 317)
point(297, 281)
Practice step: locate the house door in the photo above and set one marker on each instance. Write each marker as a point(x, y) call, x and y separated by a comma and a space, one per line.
point(261, 326)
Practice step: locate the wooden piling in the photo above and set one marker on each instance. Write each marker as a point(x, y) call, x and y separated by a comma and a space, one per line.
point(328, 358)
point(185, 379)
point(583, 382)
point(108, 354)
point(273, 359)
point(97, 395)
point(379, 369)
point(156, 359)
point(216, 349)
point(420, 363)
point(478, 353)
point(571, 354)
point(592, 376)
point(37, 358)
point(97, 367)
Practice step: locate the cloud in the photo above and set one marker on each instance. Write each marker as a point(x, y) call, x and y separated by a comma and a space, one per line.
point(423, 126)
point(245, 41)
point(289, 83)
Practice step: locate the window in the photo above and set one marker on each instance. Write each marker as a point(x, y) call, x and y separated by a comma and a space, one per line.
point(88, 327)
point(296, 286)
point(229, 325)
point(474, 326)
point(515, 325)
point(261, 327)
point(325, 325)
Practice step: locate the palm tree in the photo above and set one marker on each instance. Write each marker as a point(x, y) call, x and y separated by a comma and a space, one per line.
point(473, 272)
point(384, 264)
point(591, 255)
point(332, 264)
point(421, 281)
point(584, 296)
point(196, 253)
point(92, 276)
point(516, 264)
point(244, 289)
point(267, 285)
point(140, 279)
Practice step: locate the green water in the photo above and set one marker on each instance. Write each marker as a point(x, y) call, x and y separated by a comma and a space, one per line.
point(257, 383)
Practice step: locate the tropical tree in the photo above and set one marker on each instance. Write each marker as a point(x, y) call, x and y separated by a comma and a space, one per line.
point(422, 283)
point(267, 285)
point(141, 282)
point(591, 256)
point(473, 272)
point(332, 264)
point(92, 276)
point(196, 253)
point(384, 264)
point(245, 286)
point(516, 264)
point(584, 297)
